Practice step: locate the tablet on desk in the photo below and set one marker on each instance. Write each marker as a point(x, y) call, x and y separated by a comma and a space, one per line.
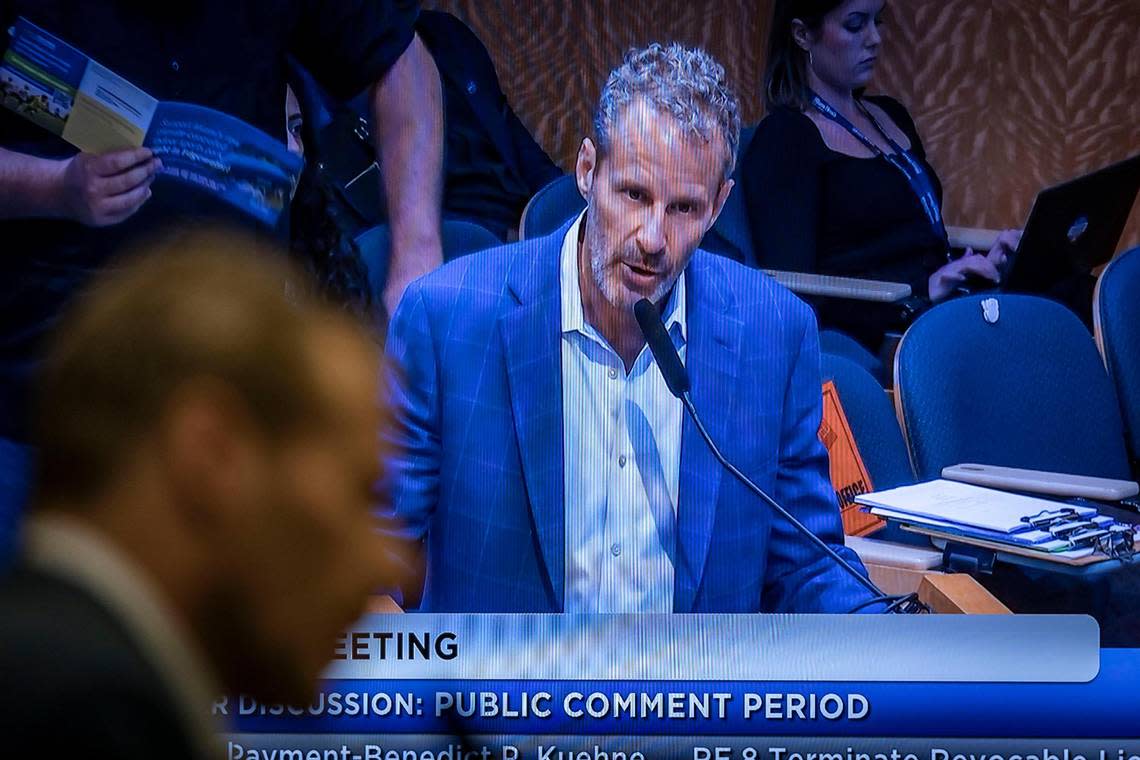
point(1042, 482)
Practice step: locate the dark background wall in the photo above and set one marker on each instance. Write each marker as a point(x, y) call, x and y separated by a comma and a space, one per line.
point(1009, 95)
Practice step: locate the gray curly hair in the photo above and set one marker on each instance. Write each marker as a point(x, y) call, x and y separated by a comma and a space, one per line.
point(687, 83)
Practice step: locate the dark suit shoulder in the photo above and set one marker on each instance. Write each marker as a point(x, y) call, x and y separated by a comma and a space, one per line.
point(49, 620)
point(74, 680)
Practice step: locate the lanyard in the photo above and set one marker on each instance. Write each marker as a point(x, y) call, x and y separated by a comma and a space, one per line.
point(917, 177)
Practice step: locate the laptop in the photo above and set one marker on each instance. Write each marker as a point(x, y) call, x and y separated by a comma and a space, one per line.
point(1074, 227)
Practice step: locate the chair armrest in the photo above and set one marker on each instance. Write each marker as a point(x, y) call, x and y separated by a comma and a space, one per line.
point(804, 283)
point(904, 569)
point(978, 238)
point(894, 568)
point(1064, 485)
point(958, 593)
point(891, 554)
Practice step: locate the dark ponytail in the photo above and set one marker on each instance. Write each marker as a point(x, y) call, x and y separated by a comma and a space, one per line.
point(785, 78)
point(322, 246)
point(320, 241)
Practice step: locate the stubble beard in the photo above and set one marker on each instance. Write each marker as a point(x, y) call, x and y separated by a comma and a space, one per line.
point(602, 264)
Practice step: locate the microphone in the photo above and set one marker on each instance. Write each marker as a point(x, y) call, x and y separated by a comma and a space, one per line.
point(661, 346)
point(677, 379)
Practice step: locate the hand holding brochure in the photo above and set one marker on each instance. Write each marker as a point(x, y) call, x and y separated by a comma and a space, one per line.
point(58, 87)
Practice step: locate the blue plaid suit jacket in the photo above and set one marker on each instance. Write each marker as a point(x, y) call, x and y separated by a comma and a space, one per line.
point(474, 354)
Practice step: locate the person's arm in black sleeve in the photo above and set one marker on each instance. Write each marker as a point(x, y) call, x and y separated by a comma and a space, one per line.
point(780, 175)
point(944, 278)
point(537, 168)
point(462, 50)
point(349, 45)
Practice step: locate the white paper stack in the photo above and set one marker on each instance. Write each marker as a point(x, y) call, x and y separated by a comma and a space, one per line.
point(969, 511)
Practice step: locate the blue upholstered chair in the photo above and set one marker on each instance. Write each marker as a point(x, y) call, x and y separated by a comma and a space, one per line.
point(873, 422)
point(731, 235)
point(374, 245)
point(842, 344)
point(1017, 381)
point(461, 238)
point(877, 436)
point(458, 238)
point(1116, 315)
point(1007, 380)
point(550, 207)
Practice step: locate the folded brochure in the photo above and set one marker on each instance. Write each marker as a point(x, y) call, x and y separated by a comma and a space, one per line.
point(56, 86)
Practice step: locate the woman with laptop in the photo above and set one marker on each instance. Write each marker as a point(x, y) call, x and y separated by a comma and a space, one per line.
point(837, 182)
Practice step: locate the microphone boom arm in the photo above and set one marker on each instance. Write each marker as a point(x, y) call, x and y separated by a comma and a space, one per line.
point(677, 379)
point(758, 491)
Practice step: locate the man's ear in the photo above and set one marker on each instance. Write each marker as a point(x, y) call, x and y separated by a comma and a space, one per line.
point(209, 444)
point(721, 198)
point(587, 165)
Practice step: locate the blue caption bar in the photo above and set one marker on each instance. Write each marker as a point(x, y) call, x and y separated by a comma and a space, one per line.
point(831, 648)
point(1106, 707)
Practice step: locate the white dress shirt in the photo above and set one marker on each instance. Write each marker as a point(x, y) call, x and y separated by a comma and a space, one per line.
point(622, 460)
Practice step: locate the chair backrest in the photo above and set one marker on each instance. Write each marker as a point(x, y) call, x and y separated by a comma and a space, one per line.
point(374, 245)
point(731, 236)
point(873, 422)
point(550, 207)
point(842, 344)
point(1116, 317)
point(461, 238)
point(1007, 380)
point(458, 237)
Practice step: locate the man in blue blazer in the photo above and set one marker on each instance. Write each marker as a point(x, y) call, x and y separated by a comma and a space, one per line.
point(537, 453)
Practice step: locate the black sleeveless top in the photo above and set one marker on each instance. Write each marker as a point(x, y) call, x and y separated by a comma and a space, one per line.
point(812, 209)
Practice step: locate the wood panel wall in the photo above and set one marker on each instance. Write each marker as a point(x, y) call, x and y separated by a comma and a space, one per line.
point(554, 55)
point(1009, 95)
point(1014, 95)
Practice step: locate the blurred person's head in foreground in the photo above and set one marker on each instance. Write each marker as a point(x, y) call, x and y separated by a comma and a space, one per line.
point(217, 427)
